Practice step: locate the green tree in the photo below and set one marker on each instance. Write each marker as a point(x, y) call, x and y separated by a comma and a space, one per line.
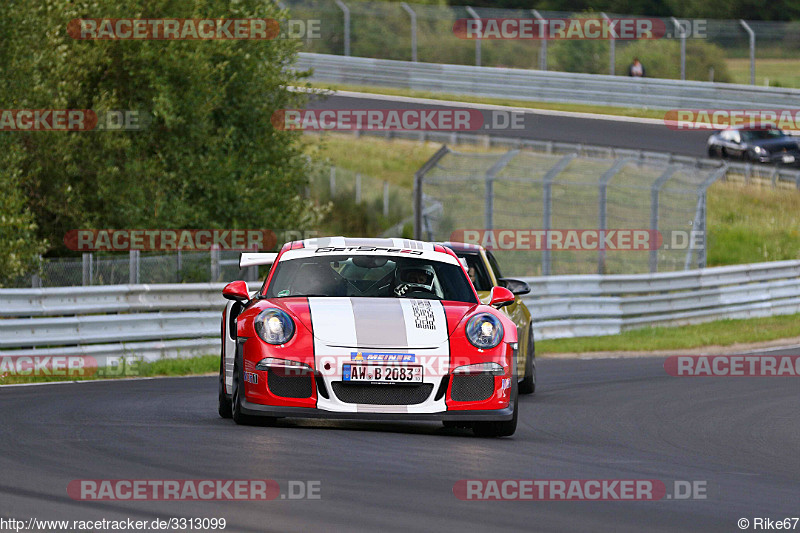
point(208, 155)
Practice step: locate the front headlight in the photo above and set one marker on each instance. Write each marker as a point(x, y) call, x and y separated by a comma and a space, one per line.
point(484, 331)
point(274, 326)
point(759, 150)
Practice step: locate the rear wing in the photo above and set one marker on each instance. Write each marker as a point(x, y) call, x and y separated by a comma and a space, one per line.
point(248, 259)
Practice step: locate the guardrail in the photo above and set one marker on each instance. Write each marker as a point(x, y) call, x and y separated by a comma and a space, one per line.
point(149, 321)
point(579, 306)
point(154, 321)
point(544, 86)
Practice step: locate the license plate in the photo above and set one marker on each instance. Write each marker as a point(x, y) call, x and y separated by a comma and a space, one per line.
point(353, 373)
point(788, 159)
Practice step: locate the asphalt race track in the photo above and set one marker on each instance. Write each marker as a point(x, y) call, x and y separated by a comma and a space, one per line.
point(637, 135)
point(590, 419)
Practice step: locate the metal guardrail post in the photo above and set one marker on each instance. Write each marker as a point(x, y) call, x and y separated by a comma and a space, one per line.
point(752, 36)
point(542, 41)
point(358, 187)
point(346, 13)
point(700, 216)
point(602, 207)
point(333, 182)
point(679, 30)
point(179, 266)
point(474, 15)
point(86, 263)
point(655, 189)
point(547, 215)
point(419, 176)
point(133, 267)
point(491, 174)
point(612, 51)
point(386, 199)
point(413, 16)
point(214, 257)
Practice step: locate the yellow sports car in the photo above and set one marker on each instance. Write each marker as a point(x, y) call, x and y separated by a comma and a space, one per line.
point(485, 273)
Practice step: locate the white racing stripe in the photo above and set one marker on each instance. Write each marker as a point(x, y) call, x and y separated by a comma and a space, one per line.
point(345, 326)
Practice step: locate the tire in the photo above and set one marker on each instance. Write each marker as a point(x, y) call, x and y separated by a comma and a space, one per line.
point(712, 152)
point(225, 409)
point(498, 429)
point(238, 416)
point(236, 410)
point(528, 383)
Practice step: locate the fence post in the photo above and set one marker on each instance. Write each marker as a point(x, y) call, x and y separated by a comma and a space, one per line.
point(386, 199)
point(700, 215)
point(86, 260)
point(542, 41)
point(491, 175)
point(214, 257)
point(655, 189)
point(358, 187)
point(681, 32)
point(346, 12)
point(133, 267)
point(547, 215)
point(602, 208)
point(413, 16)
point(179, 265)
point(752, 36)
point(612, 50)
point(419, 175)
point(474, 15)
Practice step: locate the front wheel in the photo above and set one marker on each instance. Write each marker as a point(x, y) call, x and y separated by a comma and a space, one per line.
point(237, 397)
point(225, 409)
point(528, 383)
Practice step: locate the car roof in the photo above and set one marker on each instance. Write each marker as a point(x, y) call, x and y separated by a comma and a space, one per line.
point(352, 242)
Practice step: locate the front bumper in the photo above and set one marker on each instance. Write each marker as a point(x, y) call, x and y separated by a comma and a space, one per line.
point(494, 415)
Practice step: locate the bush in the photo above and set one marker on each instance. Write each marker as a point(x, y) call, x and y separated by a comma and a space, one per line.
point(209, 156)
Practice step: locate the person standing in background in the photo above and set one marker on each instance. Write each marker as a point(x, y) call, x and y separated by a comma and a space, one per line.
point(636, 69)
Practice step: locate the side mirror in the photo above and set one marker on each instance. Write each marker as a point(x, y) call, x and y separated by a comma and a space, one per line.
point(501, 297)
point(236, 291)
point(518, 287)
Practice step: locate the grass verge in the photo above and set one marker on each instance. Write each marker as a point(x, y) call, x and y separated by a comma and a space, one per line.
point(129, 368)
point(778, 72)
point(718, 333)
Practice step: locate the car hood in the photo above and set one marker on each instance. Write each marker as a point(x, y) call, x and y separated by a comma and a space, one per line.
point(386, 323)
point(775, 145)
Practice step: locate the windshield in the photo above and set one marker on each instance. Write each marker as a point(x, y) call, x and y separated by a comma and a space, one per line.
point(758, 135)
point(370, 276)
